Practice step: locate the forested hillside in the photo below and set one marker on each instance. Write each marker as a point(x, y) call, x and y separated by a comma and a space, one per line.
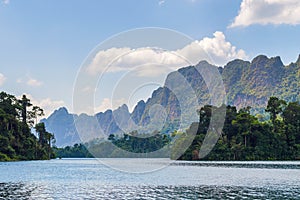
point(245, 137)
point(246, 84)
point(17, 142)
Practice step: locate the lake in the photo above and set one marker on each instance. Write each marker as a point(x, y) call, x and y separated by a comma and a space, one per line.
point(160, 179)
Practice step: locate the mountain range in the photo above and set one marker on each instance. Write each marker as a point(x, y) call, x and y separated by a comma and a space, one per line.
point(174, 105)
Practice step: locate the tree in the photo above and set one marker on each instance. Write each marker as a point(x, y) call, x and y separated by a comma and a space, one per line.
point(291, 118)
point(16, 140)
point(243, 123)
point(25, 102)
point(275, 106)
point(34, 114)
point(111, 137)
point(45, 138)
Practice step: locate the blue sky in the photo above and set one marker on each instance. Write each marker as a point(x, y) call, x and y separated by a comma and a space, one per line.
point(44, 43)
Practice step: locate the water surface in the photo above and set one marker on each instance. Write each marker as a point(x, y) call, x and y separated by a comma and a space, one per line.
point(89, 179)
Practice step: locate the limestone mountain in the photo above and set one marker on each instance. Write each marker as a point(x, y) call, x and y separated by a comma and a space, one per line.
point(174, 105)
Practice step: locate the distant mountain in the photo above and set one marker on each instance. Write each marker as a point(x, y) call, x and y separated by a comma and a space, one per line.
point(61, 123)
point(246, 84)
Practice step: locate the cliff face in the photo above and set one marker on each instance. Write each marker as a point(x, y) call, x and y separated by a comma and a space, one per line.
point(252, 83)
point(61, 124)
point(246, 84)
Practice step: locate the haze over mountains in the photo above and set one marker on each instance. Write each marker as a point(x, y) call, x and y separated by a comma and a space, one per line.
point(246, 84)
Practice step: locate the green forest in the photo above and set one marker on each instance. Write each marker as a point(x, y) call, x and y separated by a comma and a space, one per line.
point(18, 119)
point(243, 137)
point(248, 137)
point(127, 145)
point(76, 151)
point(275, 136)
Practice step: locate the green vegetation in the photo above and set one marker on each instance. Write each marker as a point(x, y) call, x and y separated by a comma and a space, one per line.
point(76, 151)
point(127, 145)
point(17, 117)
point(140, 143)
point(275, 136)
point(244, 137)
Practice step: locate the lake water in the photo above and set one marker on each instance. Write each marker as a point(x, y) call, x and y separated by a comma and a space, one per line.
point(89, 179)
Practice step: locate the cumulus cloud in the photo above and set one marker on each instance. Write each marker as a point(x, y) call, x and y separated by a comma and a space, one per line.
point(5, 2)
point(2, 79)
point(268, 12)
point(33, 82)
point(216, 50)
point(121, 59)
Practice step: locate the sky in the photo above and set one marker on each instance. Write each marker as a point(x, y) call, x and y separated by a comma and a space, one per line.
point(48, 48)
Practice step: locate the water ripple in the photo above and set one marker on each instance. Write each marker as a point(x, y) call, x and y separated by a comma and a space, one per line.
point(72, 191)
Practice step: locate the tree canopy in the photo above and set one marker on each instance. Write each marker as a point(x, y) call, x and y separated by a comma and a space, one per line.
point(17, 142)
point(245, 137)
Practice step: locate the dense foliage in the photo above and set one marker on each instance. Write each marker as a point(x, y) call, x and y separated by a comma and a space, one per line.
point(76, 151)
point(17, 118)
point(140, 144)
point(244, 137)
point(126, 145)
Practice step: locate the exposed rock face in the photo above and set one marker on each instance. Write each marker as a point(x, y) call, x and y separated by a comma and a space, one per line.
point(61, 123)
point(246, 84)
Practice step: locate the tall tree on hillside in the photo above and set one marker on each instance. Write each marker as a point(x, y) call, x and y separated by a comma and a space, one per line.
point(45, 138)
point(25, 102)
point(291, 118)
point(275, 107)
point(243, 123)
point(34, 113)
point(16, 140)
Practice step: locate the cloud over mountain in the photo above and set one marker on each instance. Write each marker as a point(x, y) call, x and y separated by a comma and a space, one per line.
point(216, 50)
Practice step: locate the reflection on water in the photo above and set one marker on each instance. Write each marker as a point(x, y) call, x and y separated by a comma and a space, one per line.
point(89, 179)
point(15, 191)
point(23, 191)
point(241, 164)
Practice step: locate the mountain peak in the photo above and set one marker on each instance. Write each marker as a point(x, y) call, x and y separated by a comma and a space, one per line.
point(263, 60)
point(203, 62)
point(60, 111)
point(246, 84)
point(141, 103)
point(260, 59)
point(123, 107)
point(298, 60)
point(277, 60)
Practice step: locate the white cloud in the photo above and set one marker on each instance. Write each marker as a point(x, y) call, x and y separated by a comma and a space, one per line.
point(122, 59)
point(161, 2)
point(152, 70)
point(6, 2)
point(30, 81)
point(216, 50)
point(47, 104)
point(33, 82)
point(107, 103)
point(268, 12)
point(2, 79)
point(103, 59)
